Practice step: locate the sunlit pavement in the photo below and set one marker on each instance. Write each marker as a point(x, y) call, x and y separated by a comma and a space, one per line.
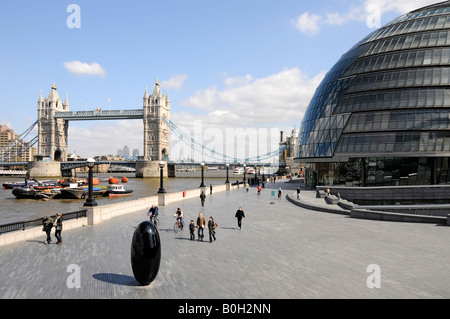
point(282, 252)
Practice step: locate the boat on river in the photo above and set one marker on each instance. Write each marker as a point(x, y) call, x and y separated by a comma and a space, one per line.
point(47, 184)
point(117, 190)
point(31, 193)
point(79, 193)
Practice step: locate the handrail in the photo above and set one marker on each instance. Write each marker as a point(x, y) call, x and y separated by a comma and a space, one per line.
point(22, 225)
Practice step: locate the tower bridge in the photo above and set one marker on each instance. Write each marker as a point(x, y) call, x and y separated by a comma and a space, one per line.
point(54, 117)
point(52, 139)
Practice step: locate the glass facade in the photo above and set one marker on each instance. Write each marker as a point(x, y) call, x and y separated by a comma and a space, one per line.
point(381, 116)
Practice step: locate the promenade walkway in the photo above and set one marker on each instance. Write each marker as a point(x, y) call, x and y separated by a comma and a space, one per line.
point(282, 252)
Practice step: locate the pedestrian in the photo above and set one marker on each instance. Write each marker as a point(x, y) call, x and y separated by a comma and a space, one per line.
point(279, 193)
point(298, 192)
point(247, 187)
point(210, 189)
point(212, 229)
point(201, 224)
point(58, 228)
point(202, 198)
point(192, 229)
point(239, 215)
point(259, 190)
point(47, 223)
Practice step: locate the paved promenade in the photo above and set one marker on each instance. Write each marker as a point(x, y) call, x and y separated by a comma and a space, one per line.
point(282, 252)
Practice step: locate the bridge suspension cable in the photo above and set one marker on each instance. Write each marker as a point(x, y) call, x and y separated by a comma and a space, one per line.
point(197, 146)
point(18, 147)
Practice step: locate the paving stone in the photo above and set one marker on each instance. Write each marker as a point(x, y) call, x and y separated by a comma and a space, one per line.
point(282, 252)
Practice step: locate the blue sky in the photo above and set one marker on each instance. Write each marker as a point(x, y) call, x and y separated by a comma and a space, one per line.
point(228, 63)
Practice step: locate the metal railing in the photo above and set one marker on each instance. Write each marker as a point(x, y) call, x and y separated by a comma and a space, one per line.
point(6, 228)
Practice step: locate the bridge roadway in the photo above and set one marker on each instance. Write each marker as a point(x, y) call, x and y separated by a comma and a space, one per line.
point(282, 252)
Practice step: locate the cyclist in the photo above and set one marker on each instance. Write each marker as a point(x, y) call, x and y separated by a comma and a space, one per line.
point(179, 215)
point(153, 213)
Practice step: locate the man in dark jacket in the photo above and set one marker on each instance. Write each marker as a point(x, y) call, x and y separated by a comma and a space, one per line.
point(47, 223)
point(239, 215)
point(202, 198)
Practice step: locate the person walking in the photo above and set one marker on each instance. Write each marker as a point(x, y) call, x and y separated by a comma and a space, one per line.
point(298, 192)
point(212, 229)
point(58, 228)
point(201, 224)
point(239, 215)
point(210, 189)
point(202, 198)
point(259, 190)
point(279, 193)
point(192, 229)
point(47, 223)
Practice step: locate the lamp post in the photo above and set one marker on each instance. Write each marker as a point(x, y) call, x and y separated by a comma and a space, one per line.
point(202, 165)
point(228, 166)
point(90, 201)
point(245, 168)
point(161, 178)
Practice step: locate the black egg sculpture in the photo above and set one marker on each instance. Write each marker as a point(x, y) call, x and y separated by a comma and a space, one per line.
point(145, 253)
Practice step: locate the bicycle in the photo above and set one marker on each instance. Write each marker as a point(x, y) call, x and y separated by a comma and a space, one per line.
point(154, 220)
point(178, 226)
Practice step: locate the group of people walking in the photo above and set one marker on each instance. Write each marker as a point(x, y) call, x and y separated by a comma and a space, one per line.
point(48, 223)
point(199, 225)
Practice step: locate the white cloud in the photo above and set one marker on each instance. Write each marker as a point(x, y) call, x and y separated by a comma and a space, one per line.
point(238, 80)
point(308, 24)
point(82, 68)
point(278, 98)
point(175, 82)
point(399, 6)
point(311, 23)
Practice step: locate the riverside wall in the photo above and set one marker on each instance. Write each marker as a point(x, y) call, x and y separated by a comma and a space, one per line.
point(99, 214)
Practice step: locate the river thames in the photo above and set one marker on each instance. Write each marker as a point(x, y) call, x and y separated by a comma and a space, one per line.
point(15, 210)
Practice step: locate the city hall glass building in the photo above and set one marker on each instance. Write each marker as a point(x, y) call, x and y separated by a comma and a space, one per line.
point(381, 116)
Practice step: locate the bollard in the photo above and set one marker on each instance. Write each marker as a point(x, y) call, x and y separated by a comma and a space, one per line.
point(145, 253)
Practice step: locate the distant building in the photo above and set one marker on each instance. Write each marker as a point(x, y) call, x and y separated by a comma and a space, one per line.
point(126, 151)
point(22, 152)
point(286, 158)
point(135, 153)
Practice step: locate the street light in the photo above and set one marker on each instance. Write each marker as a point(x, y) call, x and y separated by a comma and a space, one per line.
point(161, 178)
point(245, 168)
point(90, 201)
point(203, 169)
point(228, 166)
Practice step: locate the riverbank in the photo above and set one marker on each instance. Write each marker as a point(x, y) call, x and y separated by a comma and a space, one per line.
point(98, 214)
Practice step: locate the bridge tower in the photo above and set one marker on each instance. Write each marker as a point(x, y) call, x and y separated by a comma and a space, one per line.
point(52, 132)
point(156, 131)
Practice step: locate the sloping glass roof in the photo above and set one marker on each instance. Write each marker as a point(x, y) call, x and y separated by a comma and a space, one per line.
point(403, 65)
